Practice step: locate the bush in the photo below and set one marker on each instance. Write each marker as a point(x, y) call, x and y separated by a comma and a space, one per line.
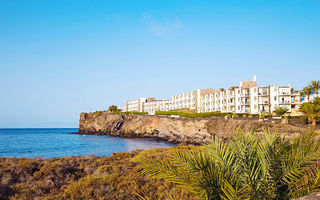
point(98, 113)
point(134, 112)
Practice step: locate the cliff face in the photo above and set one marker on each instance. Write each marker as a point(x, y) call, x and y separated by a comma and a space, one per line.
point(189, 130)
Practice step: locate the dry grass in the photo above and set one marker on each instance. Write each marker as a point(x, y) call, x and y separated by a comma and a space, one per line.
point(92, 177)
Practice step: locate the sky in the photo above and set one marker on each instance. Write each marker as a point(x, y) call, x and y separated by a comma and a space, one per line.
point(60, 58)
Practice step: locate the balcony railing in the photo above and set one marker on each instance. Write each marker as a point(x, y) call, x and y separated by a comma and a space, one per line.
point(284, 102)
point(284, 93)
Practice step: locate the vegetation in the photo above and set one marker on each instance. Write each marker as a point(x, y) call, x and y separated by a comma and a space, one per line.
point(280, 111)
point(234, 87)
point(113, 109)
point(98, 113)
point(306, 91)
point(201, 115)
point(315, 86)
point(312, 88)
point(134, 112)
point(312, 110)
point(92, 177)
point(247, 167)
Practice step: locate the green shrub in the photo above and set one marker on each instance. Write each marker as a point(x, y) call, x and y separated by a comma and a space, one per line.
point(98, 113)
point(134, 112)
point(248, 166)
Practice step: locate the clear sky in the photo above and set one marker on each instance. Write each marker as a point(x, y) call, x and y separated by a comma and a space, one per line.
point(61, 58)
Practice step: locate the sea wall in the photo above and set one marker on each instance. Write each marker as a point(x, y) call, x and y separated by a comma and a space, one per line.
point(172, 129)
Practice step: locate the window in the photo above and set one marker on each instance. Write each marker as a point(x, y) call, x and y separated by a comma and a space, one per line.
point(255, 106)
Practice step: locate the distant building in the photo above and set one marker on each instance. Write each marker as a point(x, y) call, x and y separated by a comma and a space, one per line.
point(245, 98)
point(136, 105)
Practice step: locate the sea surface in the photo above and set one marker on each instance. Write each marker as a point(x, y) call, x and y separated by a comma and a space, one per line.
point(49, 143)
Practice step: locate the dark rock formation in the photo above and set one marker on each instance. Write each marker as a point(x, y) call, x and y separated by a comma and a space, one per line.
point(172, 129)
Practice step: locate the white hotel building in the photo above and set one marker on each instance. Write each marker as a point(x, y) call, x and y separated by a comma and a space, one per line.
point(247, 98)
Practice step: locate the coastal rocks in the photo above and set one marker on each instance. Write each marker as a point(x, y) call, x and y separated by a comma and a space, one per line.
point(312, 196)
point(177, 130)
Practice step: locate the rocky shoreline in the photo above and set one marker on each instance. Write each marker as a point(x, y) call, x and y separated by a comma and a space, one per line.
point(181, 130)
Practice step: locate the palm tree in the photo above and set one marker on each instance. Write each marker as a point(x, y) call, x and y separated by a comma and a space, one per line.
point(280, 111)
point(315, 85)
point(306, 91)
point(247, 167)
point(311, 110)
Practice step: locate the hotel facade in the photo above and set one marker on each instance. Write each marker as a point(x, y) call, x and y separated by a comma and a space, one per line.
point(245, 98)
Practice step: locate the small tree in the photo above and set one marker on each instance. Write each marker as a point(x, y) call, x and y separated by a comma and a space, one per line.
point(113, 108)
point(280, 111)
point(312, 110)
point(262, 115)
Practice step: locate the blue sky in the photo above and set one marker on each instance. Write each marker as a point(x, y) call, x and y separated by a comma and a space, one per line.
point(61, 58)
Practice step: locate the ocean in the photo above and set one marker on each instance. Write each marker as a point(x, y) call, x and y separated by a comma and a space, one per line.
point(52, 142)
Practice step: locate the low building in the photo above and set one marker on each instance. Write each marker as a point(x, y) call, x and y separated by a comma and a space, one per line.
point(136, 105)
point(152, 106)
point(245, 98)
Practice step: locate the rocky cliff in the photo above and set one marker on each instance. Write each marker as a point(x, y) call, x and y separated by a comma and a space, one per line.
point(172, 129)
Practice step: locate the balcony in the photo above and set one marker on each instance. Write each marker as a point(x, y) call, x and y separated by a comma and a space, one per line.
point(263, 102)
point(245, 95)
point(245, 103)
point(263, 110)
point(263, 93)
point(284, 102)
point(296, 102)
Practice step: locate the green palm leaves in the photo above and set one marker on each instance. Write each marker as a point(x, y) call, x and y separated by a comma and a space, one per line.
point(249, 166)
point(280, 111)
point(312, 88)
point(315, 86)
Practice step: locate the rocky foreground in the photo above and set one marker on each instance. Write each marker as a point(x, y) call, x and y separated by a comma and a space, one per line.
point(113, 177)
point(181, 130)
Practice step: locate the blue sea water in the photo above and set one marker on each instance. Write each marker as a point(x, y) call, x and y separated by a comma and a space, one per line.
point(49, 143)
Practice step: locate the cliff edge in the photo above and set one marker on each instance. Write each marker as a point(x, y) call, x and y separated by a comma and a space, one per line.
point(178, 130)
